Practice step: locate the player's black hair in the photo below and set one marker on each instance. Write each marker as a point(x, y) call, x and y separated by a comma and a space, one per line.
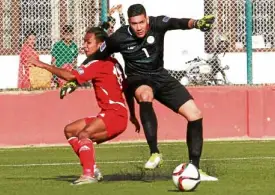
point(27, 34)
point(135, 10)
point(99, 33)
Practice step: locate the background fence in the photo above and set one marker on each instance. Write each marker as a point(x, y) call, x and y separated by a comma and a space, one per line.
point(241, 26)
point(31, 28)
point(56, 28)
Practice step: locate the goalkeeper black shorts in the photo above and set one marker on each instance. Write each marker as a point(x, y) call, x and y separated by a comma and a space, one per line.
point(167, 90)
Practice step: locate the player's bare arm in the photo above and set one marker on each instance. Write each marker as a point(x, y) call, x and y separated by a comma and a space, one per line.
point(62, 73)
point(74, 63)
point(53, 61)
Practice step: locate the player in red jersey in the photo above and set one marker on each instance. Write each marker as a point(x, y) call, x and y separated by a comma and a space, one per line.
point(107, 77)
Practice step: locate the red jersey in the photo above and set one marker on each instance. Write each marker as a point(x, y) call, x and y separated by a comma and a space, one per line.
point(107, 78)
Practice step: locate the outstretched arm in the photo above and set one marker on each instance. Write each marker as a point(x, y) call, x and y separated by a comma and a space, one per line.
point(60, 72)
point(165, 23)
point(177, 23)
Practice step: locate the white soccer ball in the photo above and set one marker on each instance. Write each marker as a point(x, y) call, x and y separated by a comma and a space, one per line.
point(186, 177)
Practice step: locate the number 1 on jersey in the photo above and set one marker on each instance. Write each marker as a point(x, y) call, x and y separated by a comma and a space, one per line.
point(146, 52)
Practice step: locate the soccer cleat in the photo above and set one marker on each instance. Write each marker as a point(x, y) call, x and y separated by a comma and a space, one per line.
point(84, 179)
point(98, 174)
point(205, 177)
point(154, 161)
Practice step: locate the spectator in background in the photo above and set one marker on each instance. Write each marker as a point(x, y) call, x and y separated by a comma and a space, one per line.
point(27, 52)
point(121, 15)
point(64, 53)
point(111, 21)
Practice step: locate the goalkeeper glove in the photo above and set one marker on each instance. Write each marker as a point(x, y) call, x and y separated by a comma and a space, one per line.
point(205, 24)
point(68, 88)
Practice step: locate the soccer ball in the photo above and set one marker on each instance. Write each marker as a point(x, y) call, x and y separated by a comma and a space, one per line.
point(186, 177)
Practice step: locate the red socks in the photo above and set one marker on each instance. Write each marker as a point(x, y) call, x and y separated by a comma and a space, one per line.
point(86, 154)
point(74, 142)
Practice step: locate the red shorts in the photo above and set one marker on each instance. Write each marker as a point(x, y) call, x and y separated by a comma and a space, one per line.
point(114, 120)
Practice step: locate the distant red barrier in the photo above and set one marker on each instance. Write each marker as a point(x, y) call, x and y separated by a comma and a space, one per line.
point(39, 118)
point(261, 115)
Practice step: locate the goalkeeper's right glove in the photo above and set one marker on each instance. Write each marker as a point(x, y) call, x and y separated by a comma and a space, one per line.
point(205, 24)
point(68, 88)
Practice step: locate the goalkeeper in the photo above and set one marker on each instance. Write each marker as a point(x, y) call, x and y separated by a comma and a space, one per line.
point(141, 44)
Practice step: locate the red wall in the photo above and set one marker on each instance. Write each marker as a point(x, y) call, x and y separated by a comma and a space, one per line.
point(39, 118)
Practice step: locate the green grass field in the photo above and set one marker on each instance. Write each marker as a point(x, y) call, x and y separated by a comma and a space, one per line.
point(243, 167)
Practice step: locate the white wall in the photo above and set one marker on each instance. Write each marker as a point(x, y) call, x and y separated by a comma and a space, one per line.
point(180, 46)
point(9, 69)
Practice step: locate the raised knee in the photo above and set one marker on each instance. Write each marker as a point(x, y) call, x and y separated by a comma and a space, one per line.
point(144, 93)
point(146, 97)
point(198, 114)
point(194, 115)
point(67, 131)
point(83, 135)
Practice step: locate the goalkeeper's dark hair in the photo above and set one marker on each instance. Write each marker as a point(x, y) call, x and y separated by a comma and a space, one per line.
point(136, 10)
point(100, 34)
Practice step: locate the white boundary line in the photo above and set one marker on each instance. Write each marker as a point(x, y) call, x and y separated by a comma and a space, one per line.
point(131, 145)
point(137, 161)
point(108, 146)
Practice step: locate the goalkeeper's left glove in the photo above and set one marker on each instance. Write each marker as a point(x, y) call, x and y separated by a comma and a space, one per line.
point(204, 24)
point(68, 88)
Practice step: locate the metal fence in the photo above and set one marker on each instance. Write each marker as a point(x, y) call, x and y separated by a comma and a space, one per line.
point(237, 22)
point(56, 27)
point(33, 28)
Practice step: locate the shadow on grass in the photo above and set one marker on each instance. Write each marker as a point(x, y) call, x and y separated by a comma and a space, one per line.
point(137, 174)
point(178, 191)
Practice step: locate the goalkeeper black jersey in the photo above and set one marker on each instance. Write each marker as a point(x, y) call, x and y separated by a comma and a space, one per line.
point(141, 55)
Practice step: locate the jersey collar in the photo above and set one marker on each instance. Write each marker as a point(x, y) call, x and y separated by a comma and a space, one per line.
point(129, 31)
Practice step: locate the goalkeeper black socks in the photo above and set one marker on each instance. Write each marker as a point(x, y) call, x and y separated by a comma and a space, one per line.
point(194, 140)
point(149, 122)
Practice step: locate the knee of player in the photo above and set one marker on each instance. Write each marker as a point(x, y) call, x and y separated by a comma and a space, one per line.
point(196, 114)
point(83, 135)
point(68, 131)
point(146, 97)
point(193, 115)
